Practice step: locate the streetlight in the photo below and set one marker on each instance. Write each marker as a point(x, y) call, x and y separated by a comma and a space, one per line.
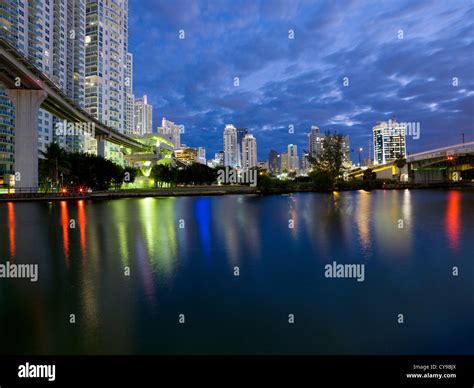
point(360, 150)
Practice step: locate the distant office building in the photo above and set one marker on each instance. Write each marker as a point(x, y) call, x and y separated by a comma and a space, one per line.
point(231, 149)
point(389, 141)
point(130, 100)
point(186, 155)
point(172, 131)
point(306, 165)
point(249, 151)
point(315, 142)
point(219, 156)
point(218, 160)
point(274, 162)
point(293, 160)
point(143, 117)
point(284, 162)
point(241, 132)
point(201, 155)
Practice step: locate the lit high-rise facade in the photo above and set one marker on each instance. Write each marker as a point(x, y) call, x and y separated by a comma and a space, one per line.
point(143, 117)
point(249, 151)
point(293, 160)
point(231, 149)
point(274, 162)
point(241, 132)
point(201, 155)
point(389, 141)
point(107, 66)
point(130, 117)
point(315, 142)
point(50, 34)
point(171, 131)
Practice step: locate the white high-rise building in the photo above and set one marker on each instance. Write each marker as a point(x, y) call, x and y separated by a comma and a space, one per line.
point(107, 66)
point(249, 151)
point(293, 160)
point(171, 131)
point(201, 155)
point(143, 116)
point(315, 142)
point(50, 34)
point(130, 117)
point(231, 148)
point(389, 141)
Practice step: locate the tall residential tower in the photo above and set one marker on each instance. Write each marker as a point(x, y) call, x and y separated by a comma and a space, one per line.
point(249, 151)
point(231, 148)
point(143, 117)
point(107, 66)
point(389, 141)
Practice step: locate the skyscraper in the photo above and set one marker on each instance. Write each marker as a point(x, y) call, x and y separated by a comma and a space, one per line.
point(130, 118)
point(249, 151)
point(171, 131)
point(143, 117)
point(315, 142)
point(274, 162)
point(305, 163)
point(389, 141)
point(231, 149)
point(284, 162)
point(107, 65)
point(293, 160)
point(219, 158)
point(201, 155)
point(241, 132)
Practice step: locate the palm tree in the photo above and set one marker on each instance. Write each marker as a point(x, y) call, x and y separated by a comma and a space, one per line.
point(55, 163)
point(400, 162)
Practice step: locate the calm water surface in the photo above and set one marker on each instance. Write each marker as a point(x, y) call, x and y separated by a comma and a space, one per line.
point(182, 253)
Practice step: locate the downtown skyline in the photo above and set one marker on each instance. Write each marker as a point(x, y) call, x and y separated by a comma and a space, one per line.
point(349, 66)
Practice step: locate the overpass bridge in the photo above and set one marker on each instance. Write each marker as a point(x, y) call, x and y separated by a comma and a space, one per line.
point(451, 163)
point(30, 89)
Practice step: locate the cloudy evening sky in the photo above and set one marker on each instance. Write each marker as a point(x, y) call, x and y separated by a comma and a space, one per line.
point(299, 81)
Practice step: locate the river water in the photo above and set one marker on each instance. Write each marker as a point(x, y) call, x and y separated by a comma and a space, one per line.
point(241, 274)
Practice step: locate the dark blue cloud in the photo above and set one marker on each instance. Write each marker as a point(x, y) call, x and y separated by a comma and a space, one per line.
point(299, 82)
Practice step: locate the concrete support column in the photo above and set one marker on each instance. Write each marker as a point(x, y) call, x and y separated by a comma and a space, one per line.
point(101, 147)
point(27, 104)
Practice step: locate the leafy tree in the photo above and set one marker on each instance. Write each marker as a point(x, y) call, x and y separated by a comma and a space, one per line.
point(331, 157)
point(160, 174)
point(321, 180)
point(80, 169)
point(117, 174)
point(400, 162)
point(369, 175)
point(54, 164)
point(131, 173)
